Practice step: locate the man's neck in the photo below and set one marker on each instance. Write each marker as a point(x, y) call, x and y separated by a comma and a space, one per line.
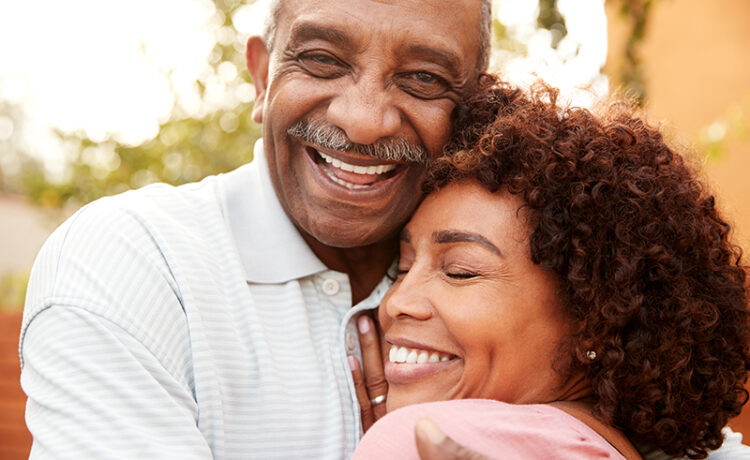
point(365, 265)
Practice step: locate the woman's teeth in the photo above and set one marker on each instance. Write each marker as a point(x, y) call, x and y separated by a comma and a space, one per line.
point(415, 356)
point(376, 169)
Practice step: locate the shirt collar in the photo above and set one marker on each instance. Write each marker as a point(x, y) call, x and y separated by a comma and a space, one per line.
point(270, 247)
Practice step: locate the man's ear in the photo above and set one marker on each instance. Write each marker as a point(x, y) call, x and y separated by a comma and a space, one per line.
point(257, 64)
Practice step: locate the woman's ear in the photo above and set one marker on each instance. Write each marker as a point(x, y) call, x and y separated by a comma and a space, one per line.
point(257, 63)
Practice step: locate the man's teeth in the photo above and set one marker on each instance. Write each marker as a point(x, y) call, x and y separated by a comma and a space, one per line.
point(415, 356)
point(336, 163)
point(343, 182)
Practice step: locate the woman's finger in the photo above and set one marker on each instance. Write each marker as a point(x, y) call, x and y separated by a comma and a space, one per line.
point(377, 387)
point(365, 407)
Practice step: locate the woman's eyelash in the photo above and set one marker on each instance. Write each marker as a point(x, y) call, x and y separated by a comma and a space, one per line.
point(461, 275)
point(453, 275)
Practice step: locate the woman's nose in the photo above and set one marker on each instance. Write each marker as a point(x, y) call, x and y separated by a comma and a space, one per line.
point(408, 299)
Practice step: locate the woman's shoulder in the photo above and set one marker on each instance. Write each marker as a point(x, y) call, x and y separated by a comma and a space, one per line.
point(491, 428)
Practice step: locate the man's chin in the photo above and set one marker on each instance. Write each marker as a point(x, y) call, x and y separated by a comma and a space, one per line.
point(340, 238)
point(347, 229)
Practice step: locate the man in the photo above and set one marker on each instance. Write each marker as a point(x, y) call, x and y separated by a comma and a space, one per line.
point(214, 320)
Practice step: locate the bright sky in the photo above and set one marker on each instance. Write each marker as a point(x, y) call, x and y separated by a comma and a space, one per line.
point(574, 66)
point(105, 66)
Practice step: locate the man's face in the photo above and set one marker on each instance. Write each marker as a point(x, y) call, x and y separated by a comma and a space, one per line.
point(346, 74)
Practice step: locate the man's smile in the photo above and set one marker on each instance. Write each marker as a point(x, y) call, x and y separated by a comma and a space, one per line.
point(350, 175)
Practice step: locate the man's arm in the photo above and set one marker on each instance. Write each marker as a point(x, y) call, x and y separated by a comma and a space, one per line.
point(96, 392)
point(104, 346)
point(732, 449)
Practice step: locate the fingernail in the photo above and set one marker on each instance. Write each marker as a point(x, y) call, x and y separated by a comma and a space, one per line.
point(364, 324)
point(429, 429)
point(352, 362)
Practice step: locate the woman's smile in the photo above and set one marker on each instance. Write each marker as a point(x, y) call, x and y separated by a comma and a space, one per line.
point(411, 361)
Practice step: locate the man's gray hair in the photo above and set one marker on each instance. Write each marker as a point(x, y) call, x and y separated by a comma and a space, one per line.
point(485, 30)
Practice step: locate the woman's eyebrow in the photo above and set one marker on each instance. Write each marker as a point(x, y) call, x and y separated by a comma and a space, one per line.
point(456, 236)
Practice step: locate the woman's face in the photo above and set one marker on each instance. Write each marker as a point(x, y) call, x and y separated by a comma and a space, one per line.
point(470, 316)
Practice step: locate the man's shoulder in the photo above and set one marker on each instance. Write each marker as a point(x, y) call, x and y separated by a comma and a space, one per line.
point(158, 211)
point(164, 204)
point(131, 249)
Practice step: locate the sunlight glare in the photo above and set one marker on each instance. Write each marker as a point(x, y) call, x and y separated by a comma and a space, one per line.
point(118, 69)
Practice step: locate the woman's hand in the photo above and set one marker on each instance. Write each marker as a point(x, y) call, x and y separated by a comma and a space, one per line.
point(370, 384)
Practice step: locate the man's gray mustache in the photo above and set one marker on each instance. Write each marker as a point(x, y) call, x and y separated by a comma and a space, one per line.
point(330, 137)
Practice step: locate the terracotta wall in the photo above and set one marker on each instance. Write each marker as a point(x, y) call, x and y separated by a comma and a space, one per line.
point(15, 440)
point(697, 66)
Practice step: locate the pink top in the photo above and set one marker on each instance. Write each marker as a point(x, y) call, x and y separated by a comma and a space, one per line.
point(492, 428)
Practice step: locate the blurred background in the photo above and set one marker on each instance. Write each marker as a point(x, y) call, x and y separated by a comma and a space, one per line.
point(101, 96)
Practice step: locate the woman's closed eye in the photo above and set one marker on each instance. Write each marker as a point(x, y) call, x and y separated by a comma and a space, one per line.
point(460, 274)
point(402, 270)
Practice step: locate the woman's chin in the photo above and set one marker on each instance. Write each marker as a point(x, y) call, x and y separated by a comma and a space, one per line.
point(392, 403)
point(398, 399)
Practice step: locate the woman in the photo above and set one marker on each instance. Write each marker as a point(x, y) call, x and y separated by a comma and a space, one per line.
point(574, 266)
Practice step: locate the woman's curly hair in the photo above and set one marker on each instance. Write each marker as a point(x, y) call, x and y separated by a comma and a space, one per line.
point(648, 276)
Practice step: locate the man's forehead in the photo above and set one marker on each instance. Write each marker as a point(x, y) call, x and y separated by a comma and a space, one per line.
point(449, 5)
point(419, 25)
point(464, 16)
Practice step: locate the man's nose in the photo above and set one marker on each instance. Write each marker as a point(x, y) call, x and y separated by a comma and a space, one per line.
point(365, 111)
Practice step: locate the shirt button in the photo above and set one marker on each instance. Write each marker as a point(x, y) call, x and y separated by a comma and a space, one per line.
point(331, 287)
point(351, 343)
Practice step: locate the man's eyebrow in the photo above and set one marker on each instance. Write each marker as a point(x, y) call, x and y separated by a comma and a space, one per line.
point(404, 236)
point(443, 57)
point(306, 31)
point(455, 236)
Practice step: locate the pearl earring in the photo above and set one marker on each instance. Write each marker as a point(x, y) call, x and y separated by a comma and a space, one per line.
point(591, 355)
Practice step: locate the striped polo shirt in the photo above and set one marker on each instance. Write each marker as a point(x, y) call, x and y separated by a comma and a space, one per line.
point(189, 322)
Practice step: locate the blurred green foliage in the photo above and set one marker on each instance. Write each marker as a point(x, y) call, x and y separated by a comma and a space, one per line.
point(636, 14)
point(186, 150)
point(732, 127)
point(550, 18)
